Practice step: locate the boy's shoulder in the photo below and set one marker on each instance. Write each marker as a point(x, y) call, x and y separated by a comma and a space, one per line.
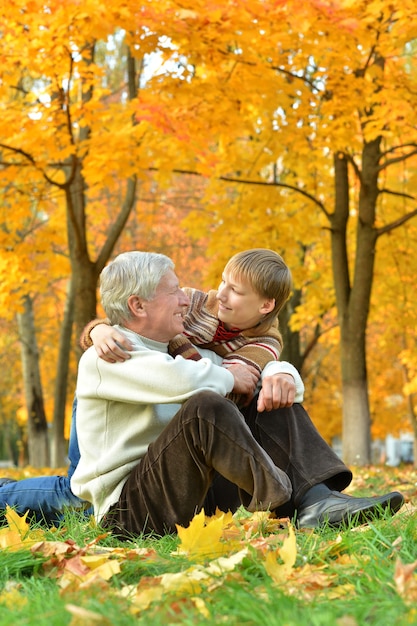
point(202, 299)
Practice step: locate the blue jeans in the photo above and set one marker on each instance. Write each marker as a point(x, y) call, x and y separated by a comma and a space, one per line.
point(46, 497)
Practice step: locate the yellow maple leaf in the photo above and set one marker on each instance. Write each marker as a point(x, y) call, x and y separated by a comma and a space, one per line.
point(202, 538)
point(288, 551)
point(17, 533)
point(16, 522)
point(287, 554)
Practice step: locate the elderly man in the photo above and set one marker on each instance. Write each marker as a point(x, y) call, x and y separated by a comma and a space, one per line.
point(159, 441)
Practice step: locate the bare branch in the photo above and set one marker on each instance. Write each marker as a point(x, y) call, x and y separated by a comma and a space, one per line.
point(355, 166)
point(398, 159)
point(32, 161)
point(399, 147)
point(400, 194)
point(396, 223)
point(276, 68)
point(262, 183)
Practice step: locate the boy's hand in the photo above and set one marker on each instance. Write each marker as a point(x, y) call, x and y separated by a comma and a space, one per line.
point(277, 391)
point(110, 345)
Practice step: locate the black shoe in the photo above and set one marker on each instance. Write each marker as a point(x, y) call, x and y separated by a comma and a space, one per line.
point(6, 481)
point(338, 509)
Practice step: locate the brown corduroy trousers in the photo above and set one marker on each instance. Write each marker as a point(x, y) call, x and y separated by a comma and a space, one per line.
point(213, 455)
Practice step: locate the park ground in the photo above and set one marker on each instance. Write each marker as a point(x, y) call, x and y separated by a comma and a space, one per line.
point(241, 570)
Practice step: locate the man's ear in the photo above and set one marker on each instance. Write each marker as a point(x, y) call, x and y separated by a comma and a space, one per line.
point(135, 304)
point(267, 306)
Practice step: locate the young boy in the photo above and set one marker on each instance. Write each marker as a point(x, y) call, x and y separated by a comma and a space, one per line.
point(238, 321)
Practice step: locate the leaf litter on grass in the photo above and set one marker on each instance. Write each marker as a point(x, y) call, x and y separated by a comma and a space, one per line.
point(210, 552)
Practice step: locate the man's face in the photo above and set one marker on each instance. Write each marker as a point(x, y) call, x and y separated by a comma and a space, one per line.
point(164, 313)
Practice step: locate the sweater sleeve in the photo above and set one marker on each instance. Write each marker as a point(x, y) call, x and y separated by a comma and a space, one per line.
point(85, 339)
point(149, 377)
point(283, 367)
point(182, 346)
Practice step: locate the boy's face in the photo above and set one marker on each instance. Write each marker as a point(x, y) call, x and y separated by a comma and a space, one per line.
point(239, 305)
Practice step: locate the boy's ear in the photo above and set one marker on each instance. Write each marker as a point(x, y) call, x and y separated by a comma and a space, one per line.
point(267, 306)
point(135, 304)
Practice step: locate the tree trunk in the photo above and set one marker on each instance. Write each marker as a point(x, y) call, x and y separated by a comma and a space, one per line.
point(59, 444)
point(291, 351)
point(83, 271)
point(353, 297)
point(412, 414)
point(356, 414)
point(81, 303)
point(38, 446)
point(413, 422)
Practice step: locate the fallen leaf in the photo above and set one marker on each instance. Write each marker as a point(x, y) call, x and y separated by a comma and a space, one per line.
point(17, 534)
point(405, 578)
point(203, 538)
point(279, 562)
point(81, 617)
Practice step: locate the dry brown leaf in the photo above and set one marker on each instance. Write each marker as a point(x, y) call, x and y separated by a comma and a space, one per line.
point(405, 578)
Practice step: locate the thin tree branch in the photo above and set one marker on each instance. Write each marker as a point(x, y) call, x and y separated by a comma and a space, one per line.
point(396, 223)
point(400, 194)
point(262, 183)
point(275, 68)
point(394, 148)
point(355, 166)
point(32, 161)
point(398, 159)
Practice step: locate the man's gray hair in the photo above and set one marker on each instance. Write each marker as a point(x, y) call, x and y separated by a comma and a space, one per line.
point(131, 273)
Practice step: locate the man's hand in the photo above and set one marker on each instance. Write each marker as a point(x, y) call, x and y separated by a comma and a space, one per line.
point(277, 391)
point(246, 378)
point(110, 345)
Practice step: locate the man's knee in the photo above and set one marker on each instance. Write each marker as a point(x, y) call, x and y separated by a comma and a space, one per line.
point(212, 407)
point(209, 398)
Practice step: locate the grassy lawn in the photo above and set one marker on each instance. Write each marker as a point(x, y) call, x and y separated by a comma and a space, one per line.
point(245, 570)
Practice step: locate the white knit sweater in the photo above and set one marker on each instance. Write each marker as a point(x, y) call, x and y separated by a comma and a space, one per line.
point(122, 407)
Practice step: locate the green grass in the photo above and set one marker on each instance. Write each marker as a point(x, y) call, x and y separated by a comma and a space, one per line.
point(358, 588)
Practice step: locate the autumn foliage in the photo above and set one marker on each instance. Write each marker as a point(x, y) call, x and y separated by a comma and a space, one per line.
point(201, 128)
